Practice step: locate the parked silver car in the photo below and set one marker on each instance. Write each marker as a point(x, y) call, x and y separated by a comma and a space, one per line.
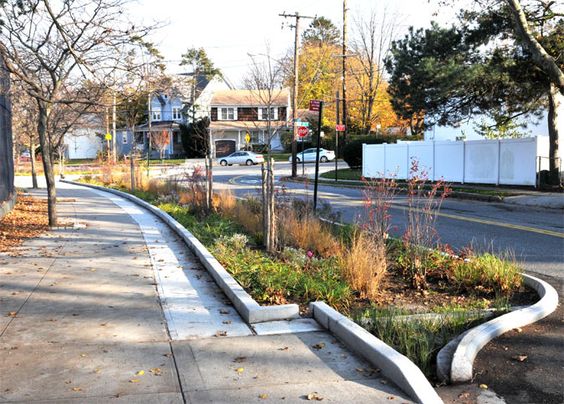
point(308, 155)
point(241, 157)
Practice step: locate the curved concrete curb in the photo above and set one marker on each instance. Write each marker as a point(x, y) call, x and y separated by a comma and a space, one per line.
point(246, 306)
point(404, 373)
point(464, 349)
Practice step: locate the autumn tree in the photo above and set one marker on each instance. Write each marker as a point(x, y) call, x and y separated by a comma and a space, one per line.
point(371, 46)
point(51, 46)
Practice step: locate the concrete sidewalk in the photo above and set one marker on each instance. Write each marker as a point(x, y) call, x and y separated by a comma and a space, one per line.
point(114, 308)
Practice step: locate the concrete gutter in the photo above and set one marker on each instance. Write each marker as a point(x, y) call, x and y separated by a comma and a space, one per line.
point(398, 368)
point(455, 360)
point(246, 306)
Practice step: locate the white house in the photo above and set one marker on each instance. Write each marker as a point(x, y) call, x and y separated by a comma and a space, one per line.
point(86, 140)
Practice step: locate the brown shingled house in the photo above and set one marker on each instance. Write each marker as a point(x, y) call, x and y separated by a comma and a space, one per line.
point(236, 113)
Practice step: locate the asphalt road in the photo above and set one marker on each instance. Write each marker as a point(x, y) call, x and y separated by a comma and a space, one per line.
point(535, 236)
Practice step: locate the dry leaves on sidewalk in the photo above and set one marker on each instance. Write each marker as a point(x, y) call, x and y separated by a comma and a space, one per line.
point(28, 219)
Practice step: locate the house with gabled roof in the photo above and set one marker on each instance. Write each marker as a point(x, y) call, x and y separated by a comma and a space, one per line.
point(240, 115)
point(187, 98)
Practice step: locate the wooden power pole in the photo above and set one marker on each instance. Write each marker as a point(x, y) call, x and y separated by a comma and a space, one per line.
point(345, 70)
point(296, 27)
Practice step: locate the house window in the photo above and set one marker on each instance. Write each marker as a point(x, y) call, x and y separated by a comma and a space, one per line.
point(124, 138)
point(228, 114)
point(263, 114)
point(156, 116)
point(176, 114)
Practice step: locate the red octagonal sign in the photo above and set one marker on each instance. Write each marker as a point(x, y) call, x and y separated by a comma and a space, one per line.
point(302, 131)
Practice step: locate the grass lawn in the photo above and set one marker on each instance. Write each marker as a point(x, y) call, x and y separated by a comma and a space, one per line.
point(281, 156)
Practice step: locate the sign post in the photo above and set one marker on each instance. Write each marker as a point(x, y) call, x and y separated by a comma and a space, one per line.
point(302, 132)
point(108, 138)
point(316, 105)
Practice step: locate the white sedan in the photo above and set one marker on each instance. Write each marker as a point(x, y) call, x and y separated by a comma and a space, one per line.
point(241, 157)
point(309, 155)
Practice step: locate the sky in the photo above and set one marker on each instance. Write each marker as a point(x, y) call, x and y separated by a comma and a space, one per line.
point(229, 30)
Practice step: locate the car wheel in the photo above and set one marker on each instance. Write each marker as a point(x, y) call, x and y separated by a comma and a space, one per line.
point(323, 159)
point(298, 160)
point(249, 162)
point(223, 162)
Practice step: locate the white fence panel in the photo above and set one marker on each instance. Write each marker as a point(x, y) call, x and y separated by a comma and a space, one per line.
point(449, 161)
point(373, 161)
point(481, 158)
point(518, 161)
point(422, 152)
point(397, 163)
point(507, 161)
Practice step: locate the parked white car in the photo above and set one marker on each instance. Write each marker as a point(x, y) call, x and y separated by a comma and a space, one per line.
point(308, 155)
point(241, 157)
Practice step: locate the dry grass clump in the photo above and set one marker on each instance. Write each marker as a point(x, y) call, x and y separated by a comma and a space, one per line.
point(246, 213)
point(307, 232)
point(364, 264)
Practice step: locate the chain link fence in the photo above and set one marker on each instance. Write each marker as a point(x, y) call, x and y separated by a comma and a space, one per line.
point(7, 190)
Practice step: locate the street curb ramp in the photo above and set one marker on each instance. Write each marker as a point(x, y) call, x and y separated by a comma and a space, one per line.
point(246, 306)
point(455, 360)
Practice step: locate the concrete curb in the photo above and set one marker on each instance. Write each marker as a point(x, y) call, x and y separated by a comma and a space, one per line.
point(8, 205)
point(246, 306)
point(464, 349)
point(404, 373)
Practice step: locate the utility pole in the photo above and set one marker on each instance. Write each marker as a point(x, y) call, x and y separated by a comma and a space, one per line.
point(296, 27)
point(345, 70)
point(337, 136)
point(114, 143)
point(150, 116)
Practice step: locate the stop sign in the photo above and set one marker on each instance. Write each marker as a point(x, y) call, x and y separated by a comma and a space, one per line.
point(302, 131)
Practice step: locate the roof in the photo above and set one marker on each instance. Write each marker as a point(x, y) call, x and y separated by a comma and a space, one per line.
point(250, 98)
point(157, 125)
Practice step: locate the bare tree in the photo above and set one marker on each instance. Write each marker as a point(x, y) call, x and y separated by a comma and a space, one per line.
point(49, 45)
point(265, 79)
point(374, 36)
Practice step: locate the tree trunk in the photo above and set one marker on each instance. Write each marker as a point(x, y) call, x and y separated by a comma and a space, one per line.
point(554, 101)
point(271, 205)
point(541, 58)
point(47, 155)
point(33, 172)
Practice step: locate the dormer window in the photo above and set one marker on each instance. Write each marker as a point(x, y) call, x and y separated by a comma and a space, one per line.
point(176, 115)
point(228, 114)
point(264, 115)
point(156, 115)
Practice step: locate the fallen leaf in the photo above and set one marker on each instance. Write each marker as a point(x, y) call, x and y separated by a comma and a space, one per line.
point(314, 397)
point(140, 373)
point(518, 329)
point(464, 394)
point(240, 370)
point(223, 311)
point(134, 381)
point(263, 396)
point(226, 322)
point(76, 389)
point(221, 334)
point(484, 386)
point(283, 349)
point(520, 358)
point(156, 371)
point(319, 345)
point(240, 359)
point(12, 314)
point(391, 398)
